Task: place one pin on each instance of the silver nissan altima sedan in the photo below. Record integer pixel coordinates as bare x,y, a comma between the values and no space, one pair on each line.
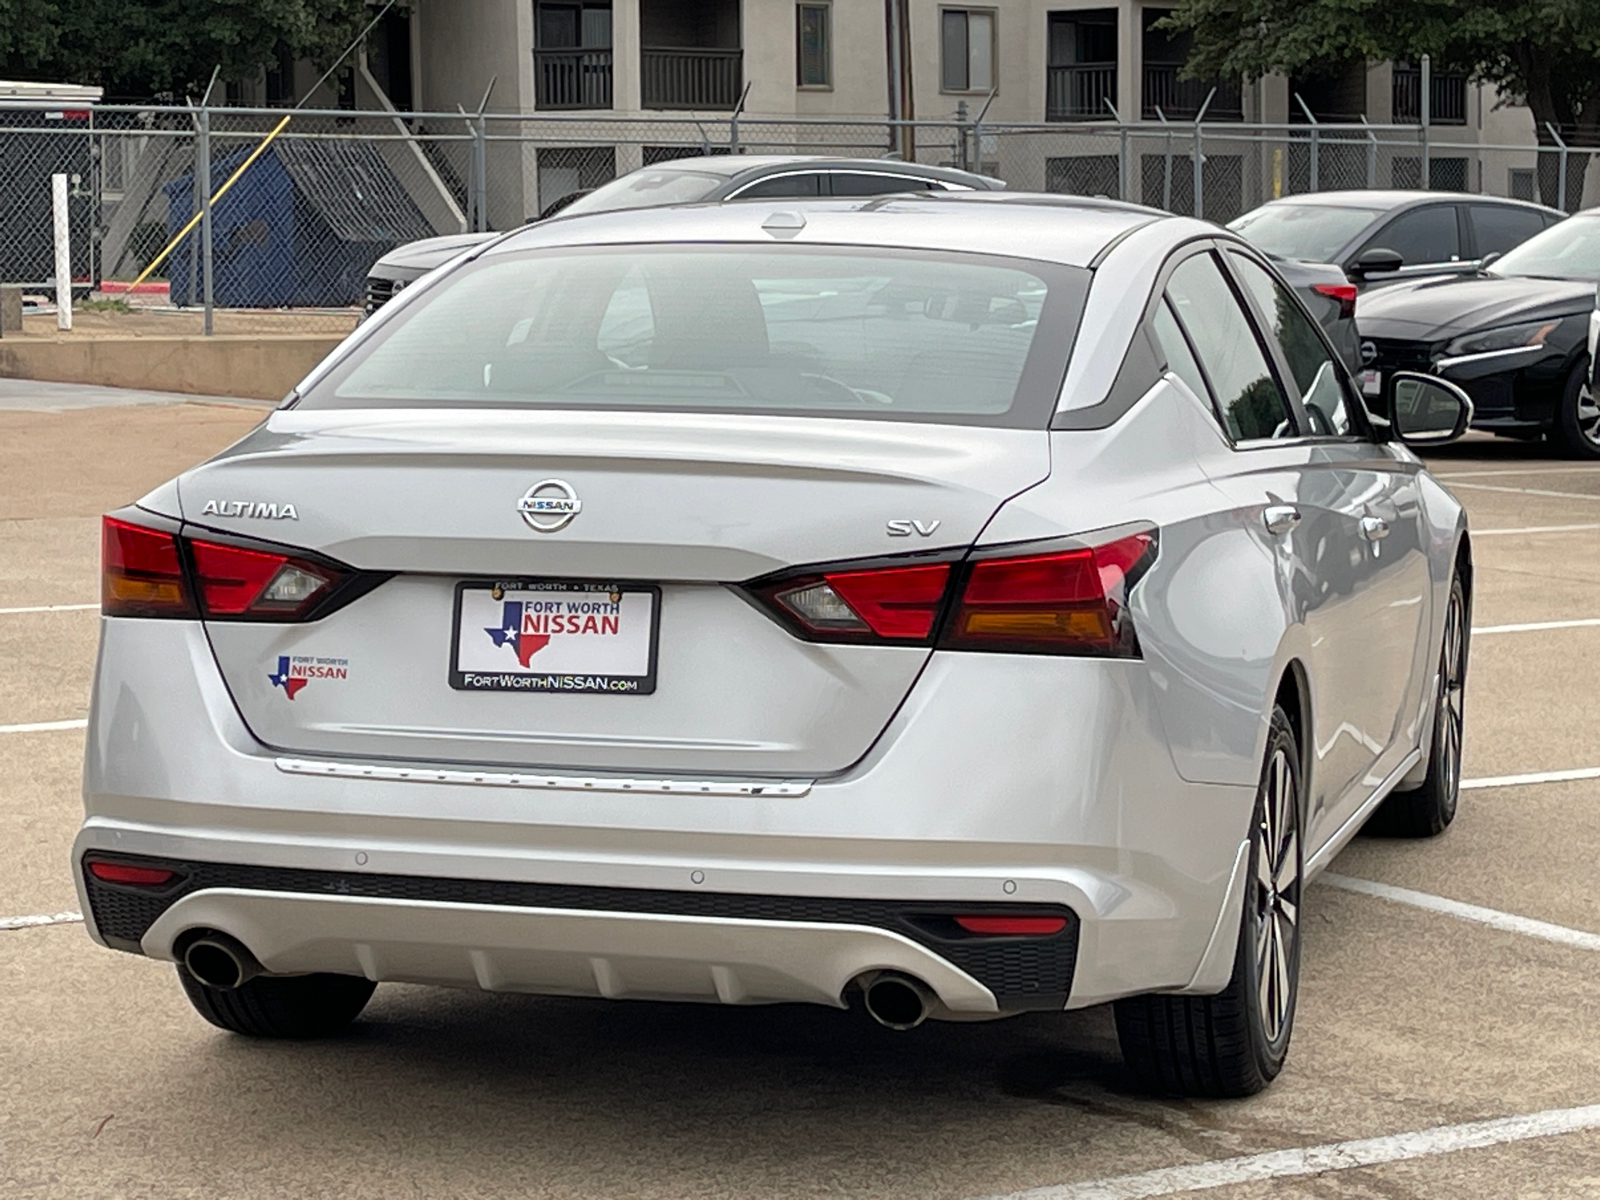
946,606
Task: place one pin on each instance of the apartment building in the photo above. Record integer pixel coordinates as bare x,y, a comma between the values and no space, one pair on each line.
1080,66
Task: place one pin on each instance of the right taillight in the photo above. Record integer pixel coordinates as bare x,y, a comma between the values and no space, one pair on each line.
1065,601
1032,598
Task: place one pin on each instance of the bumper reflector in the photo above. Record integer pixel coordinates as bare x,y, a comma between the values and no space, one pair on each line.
1035,926
113,872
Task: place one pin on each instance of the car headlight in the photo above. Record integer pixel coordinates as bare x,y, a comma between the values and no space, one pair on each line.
1506,337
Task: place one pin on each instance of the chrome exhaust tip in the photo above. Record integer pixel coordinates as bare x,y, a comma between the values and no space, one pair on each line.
896,1001
219,961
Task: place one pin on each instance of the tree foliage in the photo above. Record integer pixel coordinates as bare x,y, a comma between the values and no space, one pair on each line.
1544,53
145,48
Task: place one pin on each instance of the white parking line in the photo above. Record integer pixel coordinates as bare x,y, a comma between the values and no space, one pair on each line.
1494,918
1494,781
1314,1160
1536,626
46,726
1569,469
39,608
1490,487
36,919
1478,533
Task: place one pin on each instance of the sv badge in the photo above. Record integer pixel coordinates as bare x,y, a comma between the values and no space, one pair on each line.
904,528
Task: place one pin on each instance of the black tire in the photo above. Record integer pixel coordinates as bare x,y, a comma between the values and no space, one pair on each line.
1234,1043
1577,425
1426,810
282,1006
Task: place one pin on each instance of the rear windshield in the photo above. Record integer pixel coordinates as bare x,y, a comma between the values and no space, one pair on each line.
647,189
1569,249
783,329
1309,232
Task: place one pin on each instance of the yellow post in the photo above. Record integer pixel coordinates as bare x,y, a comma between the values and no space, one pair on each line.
1277,172
220,192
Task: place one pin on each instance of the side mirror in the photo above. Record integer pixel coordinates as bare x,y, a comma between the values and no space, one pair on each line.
1427,410
1376,261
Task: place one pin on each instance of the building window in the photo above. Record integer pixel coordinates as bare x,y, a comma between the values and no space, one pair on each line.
814,39
967,46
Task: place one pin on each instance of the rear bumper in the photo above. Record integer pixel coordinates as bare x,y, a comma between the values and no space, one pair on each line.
1033,782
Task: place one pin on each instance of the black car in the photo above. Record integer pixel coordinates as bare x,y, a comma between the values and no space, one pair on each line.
694,181
1383,237
1514,335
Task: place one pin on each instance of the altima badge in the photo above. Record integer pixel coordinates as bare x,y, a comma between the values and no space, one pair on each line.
549,505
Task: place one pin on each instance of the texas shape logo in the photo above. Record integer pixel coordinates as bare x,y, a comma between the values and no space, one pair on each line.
295,671
510,633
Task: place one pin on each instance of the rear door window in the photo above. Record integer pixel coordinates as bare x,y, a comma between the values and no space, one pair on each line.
783,186
1498,227
1423,235
862,183
1249,400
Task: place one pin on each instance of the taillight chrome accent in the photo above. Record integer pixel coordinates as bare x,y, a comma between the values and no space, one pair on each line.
158,570
1061,597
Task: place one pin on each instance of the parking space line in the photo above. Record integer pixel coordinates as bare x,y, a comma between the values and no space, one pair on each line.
1491,487
1536,626
1314,1160
1494,781
34,920
39,608
1494,918
1478,533
1570,469
46,726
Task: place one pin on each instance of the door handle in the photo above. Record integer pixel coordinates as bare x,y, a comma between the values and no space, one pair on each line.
1374,529
1280,518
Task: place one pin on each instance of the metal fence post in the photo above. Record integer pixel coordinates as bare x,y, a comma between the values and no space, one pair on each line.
962,151
1427,118
1200,158
1316,135
480,174
1372,155
1166,171
202,175
1122,150
1561,167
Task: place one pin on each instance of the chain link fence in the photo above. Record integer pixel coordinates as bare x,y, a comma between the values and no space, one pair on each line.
260,221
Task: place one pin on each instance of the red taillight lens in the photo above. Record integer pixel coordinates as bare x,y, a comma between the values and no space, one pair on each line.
141,572
893,603
1344,293
113,872
1063,602
1016,926
234,581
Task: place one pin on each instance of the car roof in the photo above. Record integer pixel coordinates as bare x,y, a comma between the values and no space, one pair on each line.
733,165
1387,199
1071,230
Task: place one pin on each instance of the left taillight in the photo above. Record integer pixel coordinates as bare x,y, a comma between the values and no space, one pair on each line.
141,572
1344,293
148,571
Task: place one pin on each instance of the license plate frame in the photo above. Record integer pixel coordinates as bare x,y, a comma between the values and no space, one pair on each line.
509,675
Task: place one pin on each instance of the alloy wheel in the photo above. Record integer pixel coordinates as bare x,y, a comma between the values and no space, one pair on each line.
1452,700
1277,897
1588,416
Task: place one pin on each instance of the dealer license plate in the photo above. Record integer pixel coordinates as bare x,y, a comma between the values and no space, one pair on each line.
1372,383
540,636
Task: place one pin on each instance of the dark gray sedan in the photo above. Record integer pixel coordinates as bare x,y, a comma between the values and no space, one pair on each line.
695,181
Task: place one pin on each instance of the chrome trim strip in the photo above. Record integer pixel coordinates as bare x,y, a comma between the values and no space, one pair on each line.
538,782
1444,364
1329,850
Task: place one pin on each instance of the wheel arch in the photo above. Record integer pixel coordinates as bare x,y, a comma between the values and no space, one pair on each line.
1293,695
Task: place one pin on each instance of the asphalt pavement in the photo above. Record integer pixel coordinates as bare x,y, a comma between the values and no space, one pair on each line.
1447,1042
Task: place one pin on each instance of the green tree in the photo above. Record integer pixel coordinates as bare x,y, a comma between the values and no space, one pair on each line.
1542,53
147,48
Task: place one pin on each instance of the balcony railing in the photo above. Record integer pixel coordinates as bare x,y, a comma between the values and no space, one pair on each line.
1448,100
1180,99
690,78
572,78
1080,92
